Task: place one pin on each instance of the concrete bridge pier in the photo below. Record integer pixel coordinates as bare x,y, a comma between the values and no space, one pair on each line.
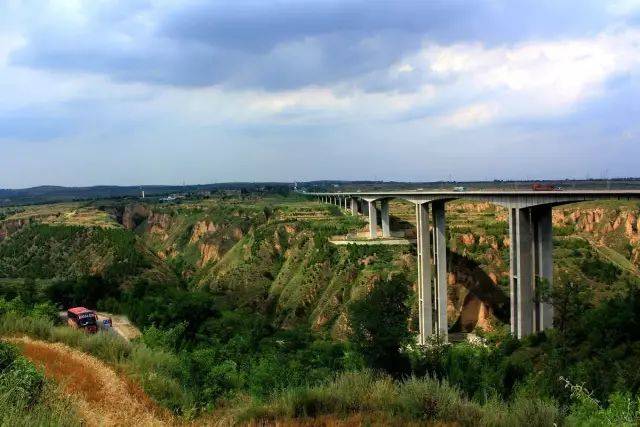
531,253
373,219
354,206
384,216
440,263
432,276
425,300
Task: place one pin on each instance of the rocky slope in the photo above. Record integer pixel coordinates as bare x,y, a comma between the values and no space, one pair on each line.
278,259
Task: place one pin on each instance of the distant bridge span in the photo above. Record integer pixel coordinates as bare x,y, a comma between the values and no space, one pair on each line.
531,245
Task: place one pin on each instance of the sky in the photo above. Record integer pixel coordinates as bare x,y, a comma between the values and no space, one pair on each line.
165,92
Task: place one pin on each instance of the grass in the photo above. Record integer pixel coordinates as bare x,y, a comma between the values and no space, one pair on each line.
26,398
51,409
66,214
616,258
157,371
412,400
102,395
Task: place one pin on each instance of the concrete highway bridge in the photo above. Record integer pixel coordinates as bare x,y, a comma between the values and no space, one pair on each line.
531,245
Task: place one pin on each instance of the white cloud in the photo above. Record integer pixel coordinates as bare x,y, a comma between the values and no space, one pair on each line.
472,115
623,7
529,80
457,86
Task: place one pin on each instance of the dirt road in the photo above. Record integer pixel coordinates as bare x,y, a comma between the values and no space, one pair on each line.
121,325
102,396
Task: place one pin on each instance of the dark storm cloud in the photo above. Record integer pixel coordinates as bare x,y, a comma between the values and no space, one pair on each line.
285,44
258,26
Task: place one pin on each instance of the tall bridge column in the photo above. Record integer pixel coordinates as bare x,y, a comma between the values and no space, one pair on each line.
531,252
440,262
373,220
354,206
543,252
425,302
384,216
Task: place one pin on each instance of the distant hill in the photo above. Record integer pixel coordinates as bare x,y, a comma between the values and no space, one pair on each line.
50,193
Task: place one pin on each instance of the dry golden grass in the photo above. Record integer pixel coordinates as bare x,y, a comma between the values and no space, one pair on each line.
67,214
101,395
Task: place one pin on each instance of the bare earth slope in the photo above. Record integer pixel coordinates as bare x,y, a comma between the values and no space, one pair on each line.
102,396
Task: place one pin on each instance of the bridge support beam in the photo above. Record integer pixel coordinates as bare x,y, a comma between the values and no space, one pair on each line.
543,228
531,247
384,216
440,263
432,318
373,220
354,206
425,301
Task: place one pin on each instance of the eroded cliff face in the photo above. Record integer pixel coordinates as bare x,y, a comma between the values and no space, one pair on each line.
8,227
133,215
197,238
600,221
618,229
200,229
159,224
472,237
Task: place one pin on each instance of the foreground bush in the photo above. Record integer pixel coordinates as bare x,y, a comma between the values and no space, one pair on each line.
414,399
25,397
157,371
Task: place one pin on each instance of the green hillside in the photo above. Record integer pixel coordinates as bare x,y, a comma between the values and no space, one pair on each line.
248,308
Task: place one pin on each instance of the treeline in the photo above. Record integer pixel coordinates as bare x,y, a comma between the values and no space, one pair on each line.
48,251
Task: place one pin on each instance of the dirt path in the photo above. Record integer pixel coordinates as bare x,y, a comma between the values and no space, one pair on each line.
121,325
102,396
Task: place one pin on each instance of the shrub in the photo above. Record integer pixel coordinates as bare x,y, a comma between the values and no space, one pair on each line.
379,325
415,399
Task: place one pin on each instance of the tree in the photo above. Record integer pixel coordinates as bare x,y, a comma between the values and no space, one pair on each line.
379,324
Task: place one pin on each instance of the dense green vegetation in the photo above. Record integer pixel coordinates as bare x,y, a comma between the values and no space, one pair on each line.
26,398
284,324
44,251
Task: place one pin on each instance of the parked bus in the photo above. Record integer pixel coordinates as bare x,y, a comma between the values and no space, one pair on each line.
83,318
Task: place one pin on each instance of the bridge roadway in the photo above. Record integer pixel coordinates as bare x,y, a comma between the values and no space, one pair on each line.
531,245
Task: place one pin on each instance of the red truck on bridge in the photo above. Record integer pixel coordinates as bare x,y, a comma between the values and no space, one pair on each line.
543,187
